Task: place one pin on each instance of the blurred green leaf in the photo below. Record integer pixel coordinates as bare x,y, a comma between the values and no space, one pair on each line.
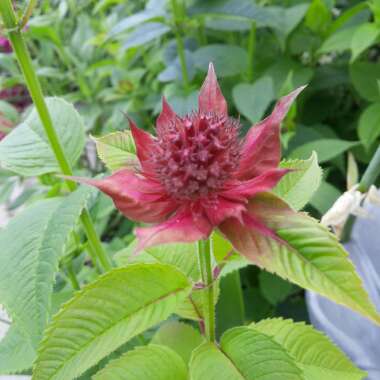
325,197
369,125
326,149
180,337
274,288
365,36
145,33
252,100
227,59
365,77
340,41
318,17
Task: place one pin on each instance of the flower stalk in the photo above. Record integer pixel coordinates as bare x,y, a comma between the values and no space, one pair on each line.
15,35
205,257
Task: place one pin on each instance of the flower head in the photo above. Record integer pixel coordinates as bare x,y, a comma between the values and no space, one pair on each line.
197,174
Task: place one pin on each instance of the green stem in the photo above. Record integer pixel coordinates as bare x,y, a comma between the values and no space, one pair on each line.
34,87
205,266
28,12
371,174
72,276
251,50
369,178
177,16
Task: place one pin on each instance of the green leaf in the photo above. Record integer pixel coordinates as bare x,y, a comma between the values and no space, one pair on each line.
32,244
318,17
326,149
183,256
244,354
117,150
134,20
151,362
252,100
311,256
9,111
365,77
369,125
26,149
313,351
105,314
339,41
298,186
145,33
274,288
363,38
180,337
325,197
16,352
227,59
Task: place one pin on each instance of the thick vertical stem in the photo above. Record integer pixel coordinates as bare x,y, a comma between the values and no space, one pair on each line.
177,16
34,87
251,50
205,266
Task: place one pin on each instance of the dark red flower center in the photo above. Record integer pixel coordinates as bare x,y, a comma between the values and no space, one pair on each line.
195,155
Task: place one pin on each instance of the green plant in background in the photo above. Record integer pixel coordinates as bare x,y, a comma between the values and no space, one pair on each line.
153,315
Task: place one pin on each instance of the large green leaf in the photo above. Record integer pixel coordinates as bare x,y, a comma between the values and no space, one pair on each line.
26,149
369,125
298,186
117,150
309,255
151,362
326,149
180,337
227,59
244,354
32,245
252,100
16,352
105,314
313,351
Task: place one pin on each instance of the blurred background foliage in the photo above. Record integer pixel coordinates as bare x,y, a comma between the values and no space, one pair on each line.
111,57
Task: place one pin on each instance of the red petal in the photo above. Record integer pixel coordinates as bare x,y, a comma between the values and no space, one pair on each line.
262,148
264,182
167,115
144,142
183,227
138,198
210,97
217,210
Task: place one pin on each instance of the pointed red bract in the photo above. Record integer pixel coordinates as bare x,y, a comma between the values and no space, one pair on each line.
264,182
184,227
144,145
262,147
138,198
167,115
211,99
